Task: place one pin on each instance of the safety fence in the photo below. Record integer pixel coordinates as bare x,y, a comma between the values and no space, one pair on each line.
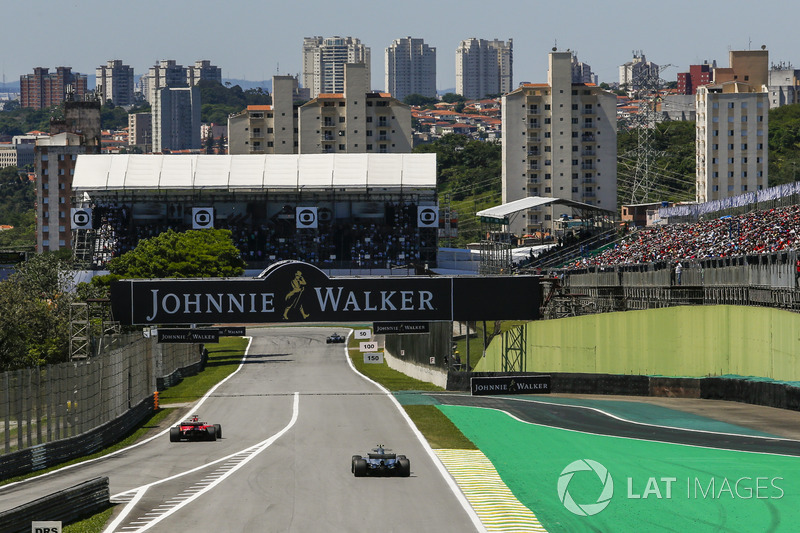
56,402
769,280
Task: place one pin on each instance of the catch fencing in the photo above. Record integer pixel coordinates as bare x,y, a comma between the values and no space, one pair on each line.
46,404
769,280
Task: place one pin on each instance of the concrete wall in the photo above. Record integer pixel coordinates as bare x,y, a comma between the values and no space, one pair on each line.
676,341
431,374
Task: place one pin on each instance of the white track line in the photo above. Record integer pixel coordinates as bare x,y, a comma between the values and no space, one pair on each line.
252,452
462,499
145,441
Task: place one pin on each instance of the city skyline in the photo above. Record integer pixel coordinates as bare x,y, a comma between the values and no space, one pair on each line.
268,45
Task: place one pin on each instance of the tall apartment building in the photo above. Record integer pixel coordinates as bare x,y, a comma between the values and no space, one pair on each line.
581,72
140,131
559,141
114,83
484,67
167,73
267,129
784,85
356,120
410,68
44,89
176,119
732,128
54,164
324,60
636,72
203,70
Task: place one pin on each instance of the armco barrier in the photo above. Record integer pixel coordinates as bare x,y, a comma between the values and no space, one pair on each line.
67,506
56,452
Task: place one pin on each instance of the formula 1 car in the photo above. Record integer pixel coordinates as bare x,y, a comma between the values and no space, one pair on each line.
193,429
335,338
380,462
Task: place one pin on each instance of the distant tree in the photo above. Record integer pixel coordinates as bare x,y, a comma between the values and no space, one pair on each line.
452,98
257,96
419,100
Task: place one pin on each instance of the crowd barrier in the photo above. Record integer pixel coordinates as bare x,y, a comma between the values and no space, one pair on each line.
66,506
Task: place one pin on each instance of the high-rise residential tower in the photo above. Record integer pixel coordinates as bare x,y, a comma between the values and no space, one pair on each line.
203,70
324,60
45,89
176,119
559,141
484,67
115,83
732,137
410,68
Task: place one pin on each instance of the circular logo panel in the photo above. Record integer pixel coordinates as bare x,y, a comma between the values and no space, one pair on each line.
585,509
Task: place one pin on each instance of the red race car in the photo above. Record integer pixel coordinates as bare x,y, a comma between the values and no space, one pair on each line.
193,429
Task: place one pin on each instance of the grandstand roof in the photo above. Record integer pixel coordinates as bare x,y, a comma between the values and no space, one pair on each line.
307,171
504,210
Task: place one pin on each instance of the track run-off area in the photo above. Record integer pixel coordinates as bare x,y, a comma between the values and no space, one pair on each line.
296,410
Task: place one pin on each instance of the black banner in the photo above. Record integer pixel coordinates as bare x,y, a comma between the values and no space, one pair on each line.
401,327
188,336
510,385
232,331
293,291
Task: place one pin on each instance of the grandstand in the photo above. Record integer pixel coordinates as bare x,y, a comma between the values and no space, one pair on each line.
336,211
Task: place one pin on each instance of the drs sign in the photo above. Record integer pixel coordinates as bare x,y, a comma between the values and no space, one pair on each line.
46,527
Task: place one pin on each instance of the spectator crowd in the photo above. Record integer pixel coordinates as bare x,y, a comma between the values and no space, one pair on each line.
758,232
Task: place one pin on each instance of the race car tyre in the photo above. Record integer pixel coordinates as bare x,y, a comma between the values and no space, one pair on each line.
353,463
404,469
212,433
401,456
174,434
218,429
360,467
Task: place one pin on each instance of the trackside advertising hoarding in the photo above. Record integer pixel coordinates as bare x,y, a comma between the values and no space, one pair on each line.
298,292
482,386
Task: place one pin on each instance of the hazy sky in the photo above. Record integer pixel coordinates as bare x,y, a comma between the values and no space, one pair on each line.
256,39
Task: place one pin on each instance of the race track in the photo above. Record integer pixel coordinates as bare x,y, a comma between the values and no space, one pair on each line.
292,417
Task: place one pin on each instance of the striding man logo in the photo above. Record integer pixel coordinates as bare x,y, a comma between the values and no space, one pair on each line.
294,298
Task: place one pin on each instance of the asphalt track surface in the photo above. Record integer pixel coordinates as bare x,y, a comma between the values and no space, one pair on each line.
599,422
292,416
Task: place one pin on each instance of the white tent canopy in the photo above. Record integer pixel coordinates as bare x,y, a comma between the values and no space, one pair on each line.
227,172
502,211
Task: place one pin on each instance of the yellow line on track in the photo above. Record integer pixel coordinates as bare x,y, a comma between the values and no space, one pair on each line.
493,501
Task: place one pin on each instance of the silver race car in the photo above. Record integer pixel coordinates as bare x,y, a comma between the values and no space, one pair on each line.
379,462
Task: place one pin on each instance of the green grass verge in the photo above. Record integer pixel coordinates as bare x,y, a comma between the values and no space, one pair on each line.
388,377
93,524
223,360
438,430
432,423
